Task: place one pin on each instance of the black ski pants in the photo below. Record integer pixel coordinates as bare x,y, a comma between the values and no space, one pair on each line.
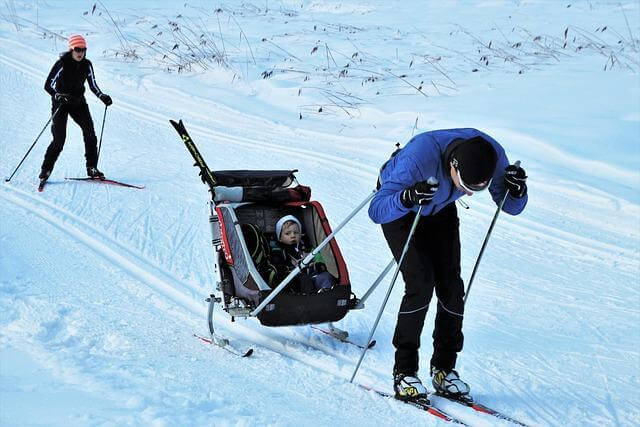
80,114
432,261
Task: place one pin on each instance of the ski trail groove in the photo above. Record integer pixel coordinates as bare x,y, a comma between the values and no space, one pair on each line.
97,240
163,283
155,277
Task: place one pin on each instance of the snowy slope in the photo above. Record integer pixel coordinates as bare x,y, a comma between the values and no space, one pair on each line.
101,287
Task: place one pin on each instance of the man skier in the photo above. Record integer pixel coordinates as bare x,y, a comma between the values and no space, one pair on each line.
462,161
65,84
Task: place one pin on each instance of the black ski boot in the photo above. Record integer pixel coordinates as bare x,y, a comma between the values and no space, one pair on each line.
94,173
44,174
408,387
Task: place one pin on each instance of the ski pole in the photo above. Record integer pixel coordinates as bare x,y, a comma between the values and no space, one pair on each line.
33,145
386,298
104,117
484,244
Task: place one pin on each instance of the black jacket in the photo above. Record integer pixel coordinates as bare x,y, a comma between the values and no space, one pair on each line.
68,76
285,255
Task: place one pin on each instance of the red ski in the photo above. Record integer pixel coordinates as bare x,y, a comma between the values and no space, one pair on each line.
422,404
470,403
106,181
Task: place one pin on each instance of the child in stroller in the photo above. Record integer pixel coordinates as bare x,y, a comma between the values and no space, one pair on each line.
287,253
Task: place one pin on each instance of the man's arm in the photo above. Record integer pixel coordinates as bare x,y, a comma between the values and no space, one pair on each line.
400,173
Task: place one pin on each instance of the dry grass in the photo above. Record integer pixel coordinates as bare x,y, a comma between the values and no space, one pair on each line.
335,61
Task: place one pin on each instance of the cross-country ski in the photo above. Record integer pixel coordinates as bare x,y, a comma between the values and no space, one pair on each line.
106,181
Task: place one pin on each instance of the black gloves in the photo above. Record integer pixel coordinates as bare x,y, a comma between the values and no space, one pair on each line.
106,99
515,178
420,194
62,98
66,99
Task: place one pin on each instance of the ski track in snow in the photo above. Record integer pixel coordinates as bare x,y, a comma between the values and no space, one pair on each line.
59,340
172,290
163,283
161,253
163,295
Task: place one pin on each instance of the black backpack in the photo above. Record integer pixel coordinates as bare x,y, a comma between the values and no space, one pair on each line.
259,251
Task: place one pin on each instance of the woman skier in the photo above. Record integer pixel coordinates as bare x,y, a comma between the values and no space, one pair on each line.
65,84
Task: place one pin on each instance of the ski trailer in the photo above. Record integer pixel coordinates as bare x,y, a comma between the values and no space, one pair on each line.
244,208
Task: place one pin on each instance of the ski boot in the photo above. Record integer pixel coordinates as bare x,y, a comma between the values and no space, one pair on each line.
448,383
44,176
408,387
94,173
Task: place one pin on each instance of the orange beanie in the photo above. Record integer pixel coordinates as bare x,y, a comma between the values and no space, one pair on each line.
77,41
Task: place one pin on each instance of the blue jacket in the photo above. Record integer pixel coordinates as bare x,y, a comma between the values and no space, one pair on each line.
423,157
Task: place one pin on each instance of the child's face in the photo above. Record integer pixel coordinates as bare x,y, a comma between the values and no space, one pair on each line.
290,234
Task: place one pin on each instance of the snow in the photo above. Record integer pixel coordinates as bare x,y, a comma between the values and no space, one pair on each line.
101,287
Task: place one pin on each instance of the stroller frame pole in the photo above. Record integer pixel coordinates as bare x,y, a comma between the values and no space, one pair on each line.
309,257
375,284
215,242
386,298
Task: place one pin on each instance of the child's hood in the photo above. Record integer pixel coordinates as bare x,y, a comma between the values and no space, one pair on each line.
281,222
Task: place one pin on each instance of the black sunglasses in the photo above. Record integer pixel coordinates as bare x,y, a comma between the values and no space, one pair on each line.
80,49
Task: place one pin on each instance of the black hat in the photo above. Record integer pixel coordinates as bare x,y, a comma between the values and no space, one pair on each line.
476,159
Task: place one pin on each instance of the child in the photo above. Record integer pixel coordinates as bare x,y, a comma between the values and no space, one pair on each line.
289,235
290,250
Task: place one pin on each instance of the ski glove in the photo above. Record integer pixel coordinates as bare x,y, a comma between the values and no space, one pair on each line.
106,99
62,98
420,194
515,178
